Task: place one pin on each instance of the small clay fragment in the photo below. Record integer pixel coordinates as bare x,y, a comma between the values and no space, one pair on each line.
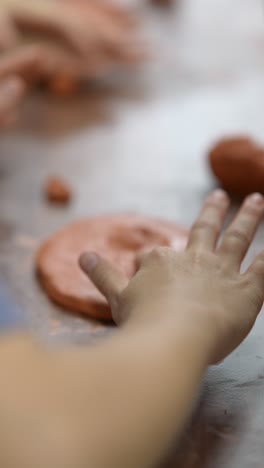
58,191
238,163
117,238
63,86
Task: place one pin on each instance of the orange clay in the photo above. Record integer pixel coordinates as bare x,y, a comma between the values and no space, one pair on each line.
238,163
120,239
63,86
58,191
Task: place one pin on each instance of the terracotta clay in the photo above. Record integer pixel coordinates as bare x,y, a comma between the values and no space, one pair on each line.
117,238
238,163
58,191
63,86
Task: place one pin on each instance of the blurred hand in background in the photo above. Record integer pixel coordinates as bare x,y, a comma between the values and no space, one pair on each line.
77,39
15,68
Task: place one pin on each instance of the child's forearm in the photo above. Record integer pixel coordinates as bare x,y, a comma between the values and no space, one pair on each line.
116,405
138,393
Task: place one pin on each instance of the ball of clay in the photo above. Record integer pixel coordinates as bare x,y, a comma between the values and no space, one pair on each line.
117,238
238,163
58,191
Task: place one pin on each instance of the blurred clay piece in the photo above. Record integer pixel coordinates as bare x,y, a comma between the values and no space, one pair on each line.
238,164
63,86
121,239
58,191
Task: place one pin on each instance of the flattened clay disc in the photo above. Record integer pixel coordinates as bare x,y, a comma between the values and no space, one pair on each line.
117,238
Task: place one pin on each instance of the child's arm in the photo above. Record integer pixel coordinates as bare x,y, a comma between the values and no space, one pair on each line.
121,403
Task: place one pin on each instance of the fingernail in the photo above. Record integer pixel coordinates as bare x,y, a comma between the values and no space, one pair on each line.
256,199
88,261
219,195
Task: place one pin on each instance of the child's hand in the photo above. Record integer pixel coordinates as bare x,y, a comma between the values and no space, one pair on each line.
14,68
80,39
202,287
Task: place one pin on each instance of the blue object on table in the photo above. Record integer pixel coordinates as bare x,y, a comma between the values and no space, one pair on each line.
11,315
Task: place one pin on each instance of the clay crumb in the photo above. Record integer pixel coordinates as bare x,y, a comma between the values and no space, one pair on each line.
58,191
63,86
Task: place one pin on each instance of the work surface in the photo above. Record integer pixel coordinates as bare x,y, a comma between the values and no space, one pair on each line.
140,145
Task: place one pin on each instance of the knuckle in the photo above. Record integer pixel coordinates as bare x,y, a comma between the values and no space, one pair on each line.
201,225
159,253
259,263
199,257
261,257
237,236
214,205
159,256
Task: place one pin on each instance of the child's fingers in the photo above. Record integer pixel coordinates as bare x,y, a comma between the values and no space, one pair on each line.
142,255
255,273
239,235
205,231
20,61
8,33
108,279
112,12
11,91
